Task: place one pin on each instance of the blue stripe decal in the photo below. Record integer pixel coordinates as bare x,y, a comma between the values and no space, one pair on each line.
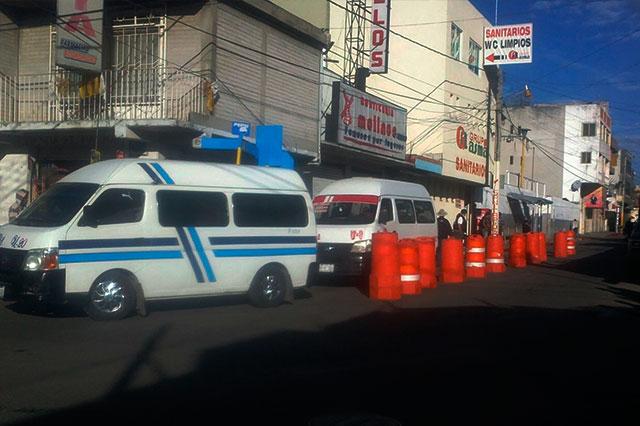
262,240
201,253
151,173
265,252
123,255
163,173
190,256
116,242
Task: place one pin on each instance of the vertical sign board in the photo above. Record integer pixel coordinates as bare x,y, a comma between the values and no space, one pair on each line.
79,35
380,17
508,44
367,122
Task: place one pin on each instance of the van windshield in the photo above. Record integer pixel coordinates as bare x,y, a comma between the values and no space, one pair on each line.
345,213
56,206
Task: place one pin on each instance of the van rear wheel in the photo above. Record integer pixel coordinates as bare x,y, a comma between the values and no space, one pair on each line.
269,287
111,297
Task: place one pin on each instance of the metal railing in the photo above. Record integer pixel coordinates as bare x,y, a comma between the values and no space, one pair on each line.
136,94
539,188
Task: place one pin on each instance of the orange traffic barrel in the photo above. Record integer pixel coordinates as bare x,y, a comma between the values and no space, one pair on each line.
384,281
571,243
452,261
533,248
476,265
518,251
560,244
542,246
427,258
495,254
409,267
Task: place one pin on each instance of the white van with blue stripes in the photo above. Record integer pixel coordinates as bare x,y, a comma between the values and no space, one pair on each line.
117,233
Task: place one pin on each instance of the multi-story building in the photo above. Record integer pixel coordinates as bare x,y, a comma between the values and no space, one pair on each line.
435,73
169,71
568,148
621,188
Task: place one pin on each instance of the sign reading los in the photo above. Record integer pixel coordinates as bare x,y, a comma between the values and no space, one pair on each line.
508,44
367,122
79,35
380,15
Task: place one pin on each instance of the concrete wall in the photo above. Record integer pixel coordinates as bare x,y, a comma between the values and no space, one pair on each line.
14,176
34,50
313,11
544,162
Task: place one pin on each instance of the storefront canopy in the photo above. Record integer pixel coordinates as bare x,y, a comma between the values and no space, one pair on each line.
530,199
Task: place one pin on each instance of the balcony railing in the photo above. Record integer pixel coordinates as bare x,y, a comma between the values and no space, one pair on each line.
136,94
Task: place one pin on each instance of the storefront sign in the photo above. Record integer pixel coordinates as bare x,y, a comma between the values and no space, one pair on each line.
79,35
595,199
380,14
466,157
508,44
367,122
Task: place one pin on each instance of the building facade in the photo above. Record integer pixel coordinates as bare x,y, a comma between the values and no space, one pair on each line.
171,71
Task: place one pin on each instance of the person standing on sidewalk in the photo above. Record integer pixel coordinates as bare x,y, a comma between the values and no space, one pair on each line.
460,224
444,229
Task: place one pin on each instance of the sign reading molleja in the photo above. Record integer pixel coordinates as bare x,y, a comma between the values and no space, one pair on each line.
508,44
79,35
367,122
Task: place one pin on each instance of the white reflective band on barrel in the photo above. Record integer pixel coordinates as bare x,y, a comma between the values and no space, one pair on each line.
475,264
495,260
571,247
476,250
410,277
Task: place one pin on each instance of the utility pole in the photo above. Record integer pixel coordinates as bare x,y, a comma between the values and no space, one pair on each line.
495,212
522,159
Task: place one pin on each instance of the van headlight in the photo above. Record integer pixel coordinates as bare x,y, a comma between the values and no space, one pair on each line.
41,260
363,246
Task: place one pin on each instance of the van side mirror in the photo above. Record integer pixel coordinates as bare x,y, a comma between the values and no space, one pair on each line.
88,217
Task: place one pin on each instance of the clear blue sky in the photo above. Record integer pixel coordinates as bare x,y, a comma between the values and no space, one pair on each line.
584,50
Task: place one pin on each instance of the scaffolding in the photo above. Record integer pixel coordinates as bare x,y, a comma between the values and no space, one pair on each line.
354,50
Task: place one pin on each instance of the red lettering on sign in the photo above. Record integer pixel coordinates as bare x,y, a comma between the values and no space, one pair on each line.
81,22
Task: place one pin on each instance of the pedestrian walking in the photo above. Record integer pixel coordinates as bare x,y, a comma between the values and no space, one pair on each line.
19,204
574,226
460,224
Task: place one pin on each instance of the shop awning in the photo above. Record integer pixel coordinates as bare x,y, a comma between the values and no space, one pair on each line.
529,198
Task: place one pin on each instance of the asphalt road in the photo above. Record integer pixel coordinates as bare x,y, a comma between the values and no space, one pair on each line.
552,344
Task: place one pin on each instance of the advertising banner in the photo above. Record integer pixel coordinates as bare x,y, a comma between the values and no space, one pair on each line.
508,44
380,17
79,35
595,199
466,158
367,122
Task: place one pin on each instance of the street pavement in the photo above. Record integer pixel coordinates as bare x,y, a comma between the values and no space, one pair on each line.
551,344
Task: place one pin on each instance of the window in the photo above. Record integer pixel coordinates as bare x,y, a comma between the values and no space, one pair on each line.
474,57
117,205
511,160
345,213
456,37
270,210
424,212
405,211
57,205
386,211
588,129
585,157
192,208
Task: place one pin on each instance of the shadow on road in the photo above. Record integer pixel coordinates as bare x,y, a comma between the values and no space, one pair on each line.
417,366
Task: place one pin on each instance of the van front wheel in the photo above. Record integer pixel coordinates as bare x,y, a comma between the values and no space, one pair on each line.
269,287
111,297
